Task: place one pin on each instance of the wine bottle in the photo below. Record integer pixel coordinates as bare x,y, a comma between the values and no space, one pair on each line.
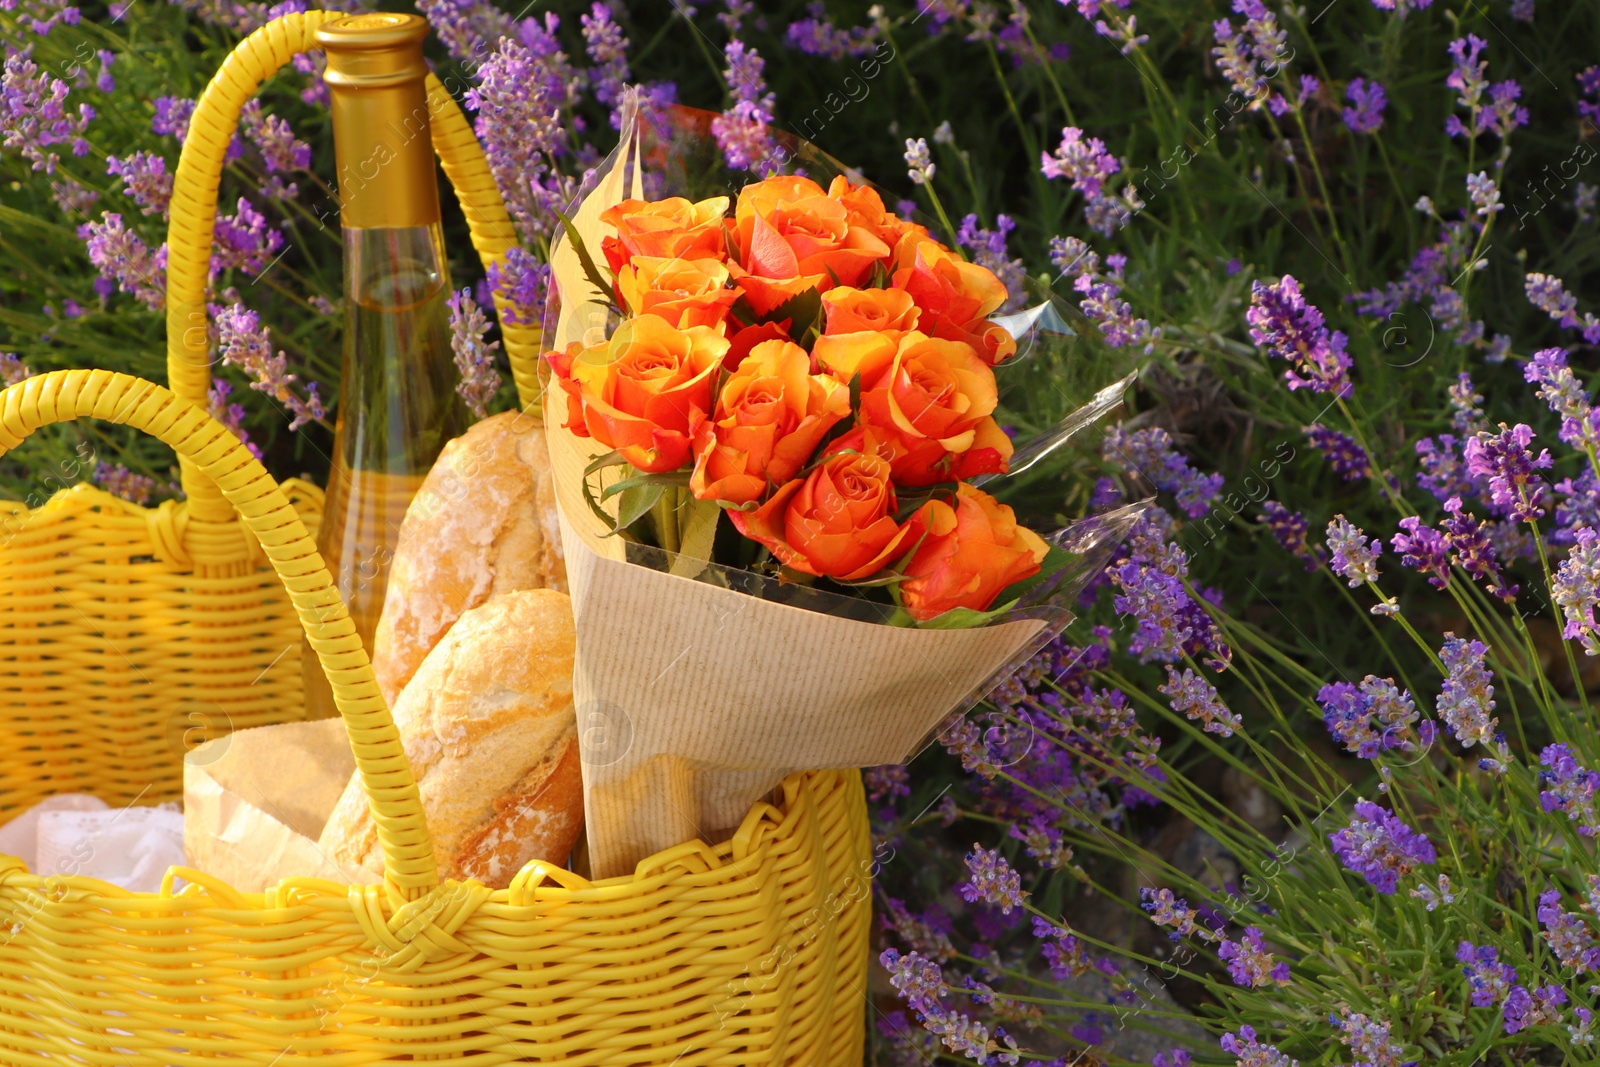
397,400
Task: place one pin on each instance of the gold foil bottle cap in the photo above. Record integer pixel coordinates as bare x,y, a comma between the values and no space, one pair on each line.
382,139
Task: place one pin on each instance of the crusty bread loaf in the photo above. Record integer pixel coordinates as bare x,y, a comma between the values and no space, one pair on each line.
483,523
489,728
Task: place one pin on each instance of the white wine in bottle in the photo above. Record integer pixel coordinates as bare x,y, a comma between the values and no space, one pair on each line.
397,399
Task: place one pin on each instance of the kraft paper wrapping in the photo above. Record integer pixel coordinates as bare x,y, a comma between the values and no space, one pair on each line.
695,700
255,802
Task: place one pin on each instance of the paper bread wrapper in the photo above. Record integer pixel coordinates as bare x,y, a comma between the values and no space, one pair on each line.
693,700
255,802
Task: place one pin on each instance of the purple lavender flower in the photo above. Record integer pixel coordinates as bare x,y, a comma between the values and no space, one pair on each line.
816,36
1577,507
1466,410
1467,698
247,344
1253,1053
1489,108
34,116
1489,979
1291,530
1250,964
1102,301
1474,552
1380,848
1549,294
1353,557
992,880
280,150
1175,1058
989,250
1234,59
608,49
1196,699
1431,898
1064,953
519,123
244,241
1082,161
1373,717
230,415
1290,329
886,782
920,982
1558,386
519,281
1172,911
742,129
120,481
1576,590
144,179
1505,460
1368,1040
1149,453
1423,549
1569,787
1347,458
1367,100
1567,934
1523,1009
1581,1035
479,380
120,256
172,117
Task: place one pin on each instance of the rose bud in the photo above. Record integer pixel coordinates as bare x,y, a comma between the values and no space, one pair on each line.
642,391
771,416
837,522
971,552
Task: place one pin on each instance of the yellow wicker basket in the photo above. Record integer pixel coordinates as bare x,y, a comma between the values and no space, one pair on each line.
129,633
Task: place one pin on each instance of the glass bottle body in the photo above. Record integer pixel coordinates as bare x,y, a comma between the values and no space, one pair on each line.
397,408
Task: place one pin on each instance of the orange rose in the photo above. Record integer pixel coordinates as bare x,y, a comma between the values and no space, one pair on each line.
919,461
956,298
684,291
642,391
771,416
664,228
864,207
971,552
844,355
838,522
851,310
792,237
931,411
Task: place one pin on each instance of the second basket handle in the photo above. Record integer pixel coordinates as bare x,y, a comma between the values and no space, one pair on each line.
410,869
194,212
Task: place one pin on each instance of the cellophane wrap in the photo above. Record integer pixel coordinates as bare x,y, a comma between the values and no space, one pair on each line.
699,687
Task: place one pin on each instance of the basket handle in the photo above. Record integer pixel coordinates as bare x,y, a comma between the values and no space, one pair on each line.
243,483
194,211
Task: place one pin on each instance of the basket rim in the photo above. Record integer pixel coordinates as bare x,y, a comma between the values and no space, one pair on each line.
539,883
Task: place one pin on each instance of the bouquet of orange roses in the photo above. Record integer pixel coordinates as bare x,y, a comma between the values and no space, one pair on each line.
768,417
821,371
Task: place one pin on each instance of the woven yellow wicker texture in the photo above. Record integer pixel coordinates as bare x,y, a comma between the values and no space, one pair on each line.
129,632
748,953
125,632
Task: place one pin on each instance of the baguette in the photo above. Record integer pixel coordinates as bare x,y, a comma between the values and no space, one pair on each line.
488,725
483,523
